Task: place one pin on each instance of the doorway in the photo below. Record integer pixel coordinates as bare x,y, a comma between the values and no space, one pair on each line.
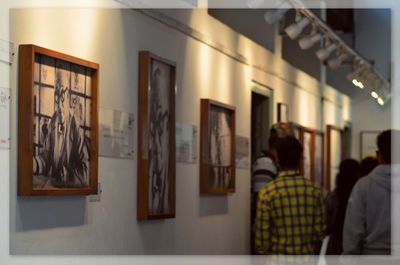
261,121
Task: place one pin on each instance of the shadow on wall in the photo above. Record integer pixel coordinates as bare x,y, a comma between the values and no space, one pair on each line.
35,213
158,236
213,205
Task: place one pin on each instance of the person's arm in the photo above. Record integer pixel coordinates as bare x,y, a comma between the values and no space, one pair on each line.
263,237
354,224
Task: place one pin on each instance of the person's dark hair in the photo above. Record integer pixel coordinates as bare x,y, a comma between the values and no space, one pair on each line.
383,141
272,141
289,152
273,138
367,165
349,172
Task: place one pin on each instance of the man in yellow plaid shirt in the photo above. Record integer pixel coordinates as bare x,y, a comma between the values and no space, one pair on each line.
290,209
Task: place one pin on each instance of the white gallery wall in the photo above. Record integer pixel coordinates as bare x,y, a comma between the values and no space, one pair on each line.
225,72
4,153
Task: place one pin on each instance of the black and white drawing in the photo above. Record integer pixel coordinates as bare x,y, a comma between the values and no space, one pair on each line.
62,98
220,175
319,162
307,155
159,127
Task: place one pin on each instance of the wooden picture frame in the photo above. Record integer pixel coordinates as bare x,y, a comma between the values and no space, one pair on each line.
332,166
283,112
368,145
297,131
57,100
156,138
312,164
217,147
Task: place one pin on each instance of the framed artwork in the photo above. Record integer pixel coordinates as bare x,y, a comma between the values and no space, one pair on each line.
57,123
308,154
283,112
156,138
335,154
313,155
217,147
319,159
368,143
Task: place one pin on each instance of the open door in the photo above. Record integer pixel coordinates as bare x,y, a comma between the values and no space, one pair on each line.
261,121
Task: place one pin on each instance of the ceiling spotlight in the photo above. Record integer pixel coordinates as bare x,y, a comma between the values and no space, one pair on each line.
294,30
273,16
380,101
356,73
307,42
374,94
324,53
358,83
334,63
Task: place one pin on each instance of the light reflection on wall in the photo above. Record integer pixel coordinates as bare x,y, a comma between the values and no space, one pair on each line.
43,28
223,73
205,70
303,108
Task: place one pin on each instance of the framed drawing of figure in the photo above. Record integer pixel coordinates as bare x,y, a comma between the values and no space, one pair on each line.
308,160
319,159
217,147
156,138
313,155
335,154
58,123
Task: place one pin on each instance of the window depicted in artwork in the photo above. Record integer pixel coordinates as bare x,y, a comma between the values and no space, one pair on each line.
217,169
63,90
156,168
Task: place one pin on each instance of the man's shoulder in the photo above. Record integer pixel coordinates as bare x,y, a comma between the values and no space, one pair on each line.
268,189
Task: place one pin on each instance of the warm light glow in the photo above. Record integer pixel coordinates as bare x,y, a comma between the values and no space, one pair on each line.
374,94
380,101
205,67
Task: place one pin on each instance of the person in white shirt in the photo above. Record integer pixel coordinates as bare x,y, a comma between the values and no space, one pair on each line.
367,226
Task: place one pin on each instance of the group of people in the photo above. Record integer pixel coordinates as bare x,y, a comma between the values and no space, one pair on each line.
292,216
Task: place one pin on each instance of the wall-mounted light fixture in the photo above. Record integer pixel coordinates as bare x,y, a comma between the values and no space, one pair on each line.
364,75
294,30
325,52
309,41
336,62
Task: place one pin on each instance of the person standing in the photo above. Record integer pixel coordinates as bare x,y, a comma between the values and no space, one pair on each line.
367,226
336,203
367,165
290,209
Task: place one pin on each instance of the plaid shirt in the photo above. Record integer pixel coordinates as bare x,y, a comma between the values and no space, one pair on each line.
290,216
